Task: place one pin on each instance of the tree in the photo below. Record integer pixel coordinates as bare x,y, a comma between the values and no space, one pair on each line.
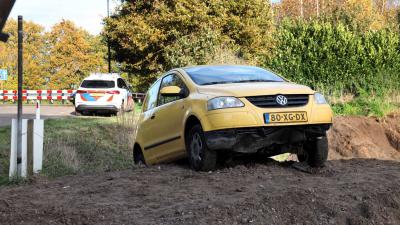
145,35
34,66
64,55
72,54
362,15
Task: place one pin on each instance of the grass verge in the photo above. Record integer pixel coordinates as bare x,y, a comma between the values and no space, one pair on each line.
367,105
80,145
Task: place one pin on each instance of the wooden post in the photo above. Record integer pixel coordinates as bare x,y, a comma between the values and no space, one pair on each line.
20,81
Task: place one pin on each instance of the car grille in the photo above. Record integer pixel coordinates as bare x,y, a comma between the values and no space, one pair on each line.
269,101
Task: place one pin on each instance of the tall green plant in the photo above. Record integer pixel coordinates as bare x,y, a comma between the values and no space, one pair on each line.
335,59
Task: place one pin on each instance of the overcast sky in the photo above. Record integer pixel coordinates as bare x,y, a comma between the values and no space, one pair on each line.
87,14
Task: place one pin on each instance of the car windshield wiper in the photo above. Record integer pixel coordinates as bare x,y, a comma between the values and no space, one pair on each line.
258,80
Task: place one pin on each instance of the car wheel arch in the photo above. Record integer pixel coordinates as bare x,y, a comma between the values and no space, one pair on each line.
191,121
137,149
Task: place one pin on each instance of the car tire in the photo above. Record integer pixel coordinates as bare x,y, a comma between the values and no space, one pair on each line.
78,113
302,157
200,157
138,158
317,152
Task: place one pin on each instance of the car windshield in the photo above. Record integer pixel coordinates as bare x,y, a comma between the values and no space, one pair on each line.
98,84
208,75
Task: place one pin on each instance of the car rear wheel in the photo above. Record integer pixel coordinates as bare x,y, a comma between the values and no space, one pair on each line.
315,152
200,157
78,113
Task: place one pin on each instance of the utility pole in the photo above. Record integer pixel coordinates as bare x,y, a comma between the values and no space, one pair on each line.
317,1
108,39
20,82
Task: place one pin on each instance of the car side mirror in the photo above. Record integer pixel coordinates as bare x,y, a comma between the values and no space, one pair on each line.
171,91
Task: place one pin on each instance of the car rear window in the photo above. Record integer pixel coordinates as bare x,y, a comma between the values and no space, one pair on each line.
98,84
208,75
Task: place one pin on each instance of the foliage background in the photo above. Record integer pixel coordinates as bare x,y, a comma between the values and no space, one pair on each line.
58,59
341,47
338,47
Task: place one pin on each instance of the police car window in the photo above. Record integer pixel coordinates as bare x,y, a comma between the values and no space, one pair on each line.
121,83
98,84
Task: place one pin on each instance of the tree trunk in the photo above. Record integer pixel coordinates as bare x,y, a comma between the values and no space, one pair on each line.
301,9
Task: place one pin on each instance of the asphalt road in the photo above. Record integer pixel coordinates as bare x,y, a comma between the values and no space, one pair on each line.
7,112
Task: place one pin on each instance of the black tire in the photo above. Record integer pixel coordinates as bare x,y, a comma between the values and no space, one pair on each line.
302,157
317,152
200,157
138,157
78,113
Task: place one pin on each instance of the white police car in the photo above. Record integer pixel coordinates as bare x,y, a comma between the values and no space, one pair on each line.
103,93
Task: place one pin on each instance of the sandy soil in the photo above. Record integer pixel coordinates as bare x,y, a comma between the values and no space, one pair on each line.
347,191
365,137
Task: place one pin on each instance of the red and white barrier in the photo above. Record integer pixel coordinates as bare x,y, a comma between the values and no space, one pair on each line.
49,95
37,94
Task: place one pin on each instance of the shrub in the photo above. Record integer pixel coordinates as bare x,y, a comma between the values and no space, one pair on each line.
335,59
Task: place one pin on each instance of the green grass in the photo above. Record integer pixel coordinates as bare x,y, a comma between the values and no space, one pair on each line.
79,146
378,106
138,108
5,142
281,157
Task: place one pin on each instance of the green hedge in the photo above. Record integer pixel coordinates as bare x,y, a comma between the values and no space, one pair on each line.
336,60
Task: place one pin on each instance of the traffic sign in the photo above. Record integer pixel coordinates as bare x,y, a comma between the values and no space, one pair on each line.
3,74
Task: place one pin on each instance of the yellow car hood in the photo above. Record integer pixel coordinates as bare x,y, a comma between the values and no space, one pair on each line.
254,89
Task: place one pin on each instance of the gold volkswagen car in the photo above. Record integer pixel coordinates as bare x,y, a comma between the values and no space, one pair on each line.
204,111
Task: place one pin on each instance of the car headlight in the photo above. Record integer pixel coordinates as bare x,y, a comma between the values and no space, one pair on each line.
224,102
320,99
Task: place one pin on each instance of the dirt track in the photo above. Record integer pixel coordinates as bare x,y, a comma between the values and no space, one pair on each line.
350,192
345,192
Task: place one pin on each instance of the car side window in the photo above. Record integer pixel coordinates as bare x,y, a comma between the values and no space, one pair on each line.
151,97
171,80
125,84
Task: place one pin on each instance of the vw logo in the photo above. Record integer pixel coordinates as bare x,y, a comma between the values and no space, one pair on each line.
281,100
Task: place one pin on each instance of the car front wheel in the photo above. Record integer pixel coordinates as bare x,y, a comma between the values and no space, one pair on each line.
200,157
315,152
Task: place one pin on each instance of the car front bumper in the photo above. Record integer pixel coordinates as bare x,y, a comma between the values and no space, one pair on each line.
255,139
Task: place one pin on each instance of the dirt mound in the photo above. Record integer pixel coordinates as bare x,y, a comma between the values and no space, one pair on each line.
392,126
357,191
365,137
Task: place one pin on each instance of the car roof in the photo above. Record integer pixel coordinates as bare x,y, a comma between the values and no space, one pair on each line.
103,76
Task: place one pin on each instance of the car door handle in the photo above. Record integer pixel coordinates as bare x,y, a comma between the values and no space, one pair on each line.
153,116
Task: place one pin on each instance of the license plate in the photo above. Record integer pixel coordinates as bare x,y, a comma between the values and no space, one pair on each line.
97,94
287,117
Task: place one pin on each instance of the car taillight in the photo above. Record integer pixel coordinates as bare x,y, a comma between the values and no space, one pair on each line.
81,92
114,92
